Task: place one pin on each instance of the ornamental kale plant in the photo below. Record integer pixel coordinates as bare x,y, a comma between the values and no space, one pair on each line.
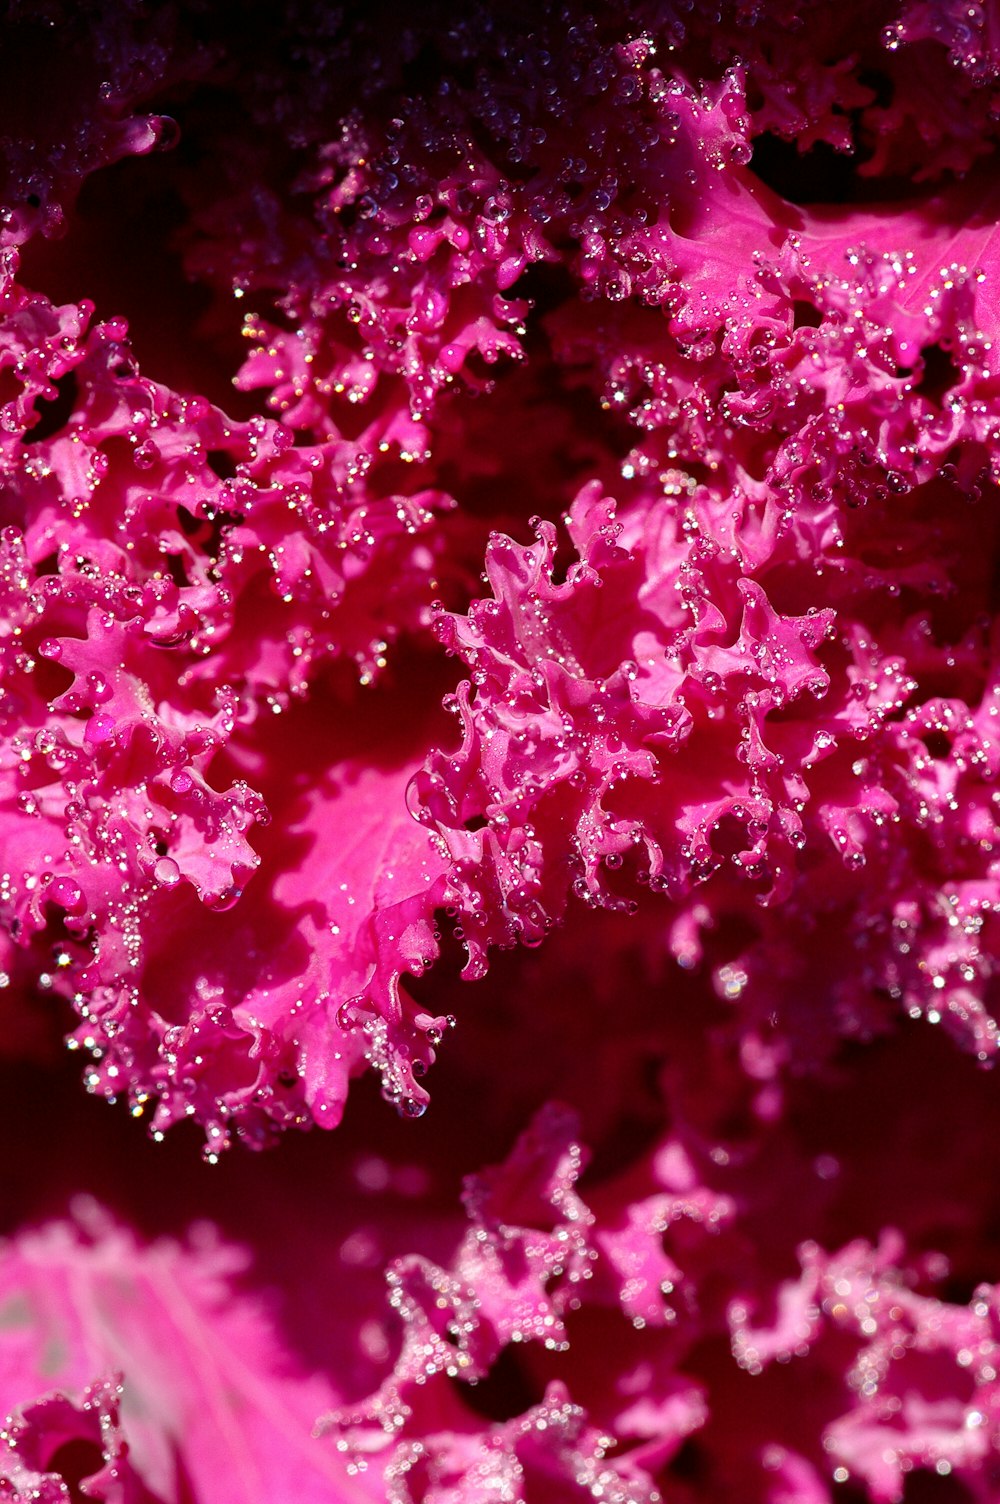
500,658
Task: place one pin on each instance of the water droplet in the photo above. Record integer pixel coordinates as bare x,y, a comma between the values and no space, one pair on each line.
67,894
220,902
100,729
167,872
